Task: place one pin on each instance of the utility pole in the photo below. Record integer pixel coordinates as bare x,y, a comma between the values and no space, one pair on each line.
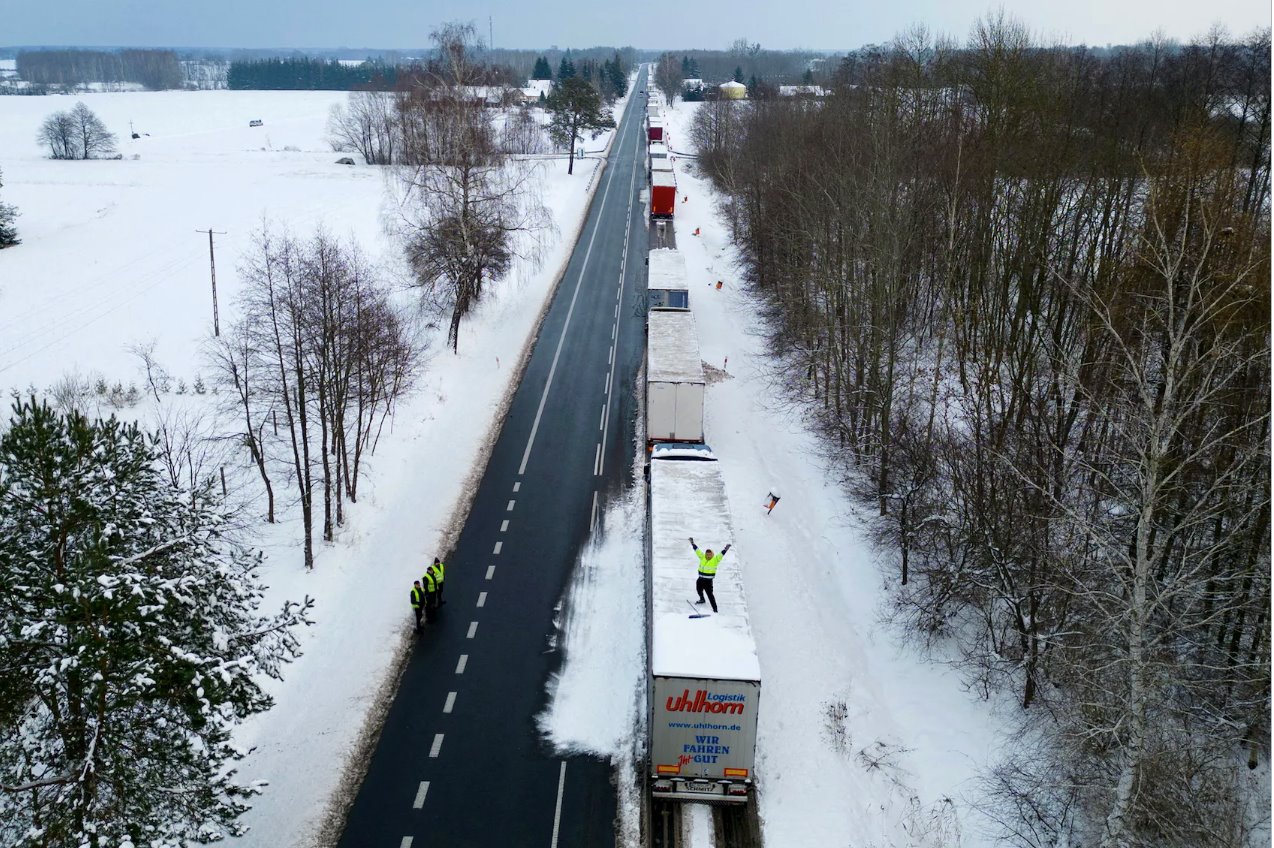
212,263
490,34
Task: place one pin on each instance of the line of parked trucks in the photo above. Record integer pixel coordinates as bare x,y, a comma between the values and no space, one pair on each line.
663,182
703,674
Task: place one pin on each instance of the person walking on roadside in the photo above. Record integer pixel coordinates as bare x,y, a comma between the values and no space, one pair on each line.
430,581
417,601
440,573
708,562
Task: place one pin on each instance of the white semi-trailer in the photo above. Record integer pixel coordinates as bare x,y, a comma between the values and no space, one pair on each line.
666,287
674,378
704,677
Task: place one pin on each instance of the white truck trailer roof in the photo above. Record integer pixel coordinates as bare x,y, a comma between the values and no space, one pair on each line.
658,150
667,269
672,349
663,178
687,498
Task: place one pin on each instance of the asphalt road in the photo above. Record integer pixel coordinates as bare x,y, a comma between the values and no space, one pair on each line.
459,761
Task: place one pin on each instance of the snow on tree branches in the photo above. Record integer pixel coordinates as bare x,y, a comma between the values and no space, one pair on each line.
130,642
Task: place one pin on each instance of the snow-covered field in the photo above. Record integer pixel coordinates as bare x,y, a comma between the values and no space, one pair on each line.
110,259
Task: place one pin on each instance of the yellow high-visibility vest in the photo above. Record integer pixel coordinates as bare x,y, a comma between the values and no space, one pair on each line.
708,567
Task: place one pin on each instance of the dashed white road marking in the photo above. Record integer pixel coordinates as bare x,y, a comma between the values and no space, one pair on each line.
593,521
601,421
464,661
490,571
420,796
611,359
498,545
504,525
473,628
451,702
517,486
597,459
436,747
557,812
406,843
482,599
509,508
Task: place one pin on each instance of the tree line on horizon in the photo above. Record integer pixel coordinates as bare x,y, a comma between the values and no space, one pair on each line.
1025,293
155,69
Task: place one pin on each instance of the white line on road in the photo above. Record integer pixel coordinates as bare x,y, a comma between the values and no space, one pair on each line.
406,843
517,486
436,747
593,521
557,813
473,628
597,460
509,508
464,661
451,702
610,359
498,545
601,420
482,599
535,425
504,525
420,796
490,571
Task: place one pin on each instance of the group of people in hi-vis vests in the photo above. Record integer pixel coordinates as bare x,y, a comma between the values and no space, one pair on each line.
426,593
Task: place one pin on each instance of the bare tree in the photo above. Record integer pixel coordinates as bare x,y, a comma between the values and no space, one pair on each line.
77,134
463,203
367,124
522,134
668,77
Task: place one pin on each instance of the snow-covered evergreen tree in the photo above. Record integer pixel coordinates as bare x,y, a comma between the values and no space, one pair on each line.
130,642
8,231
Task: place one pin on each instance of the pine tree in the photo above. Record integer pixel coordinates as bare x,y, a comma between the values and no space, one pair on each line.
8,230
738,73
542,70
685,67
566,69
130,643
576,108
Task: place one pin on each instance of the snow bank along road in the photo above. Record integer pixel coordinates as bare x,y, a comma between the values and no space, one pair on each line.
459,761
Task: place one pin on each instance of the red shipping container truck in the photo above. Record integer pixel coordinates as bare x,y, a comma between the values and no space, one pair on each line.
663,194
655,130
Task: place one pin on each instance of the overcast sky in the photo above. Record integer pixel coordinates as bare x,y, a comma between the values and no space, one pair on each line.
778,24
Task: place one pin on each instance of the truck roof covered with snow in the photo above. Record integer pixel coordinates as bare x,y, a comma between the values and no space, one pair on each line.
667,269
672,351
687,499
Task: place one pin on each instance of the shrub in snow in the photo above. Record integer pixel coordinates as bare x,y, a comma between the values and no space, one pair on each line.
130,641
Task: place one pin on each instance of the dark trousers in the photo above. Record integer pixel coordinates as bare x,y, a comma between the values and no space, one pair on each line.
704,584
431,606
418,611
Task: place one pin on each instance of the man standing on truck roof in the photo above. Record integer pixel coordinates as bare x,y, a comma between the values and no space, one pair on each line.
417,602
708,562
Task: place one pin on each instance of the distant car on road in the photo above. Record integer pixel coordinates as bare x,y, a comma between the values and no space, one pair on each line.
256,122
